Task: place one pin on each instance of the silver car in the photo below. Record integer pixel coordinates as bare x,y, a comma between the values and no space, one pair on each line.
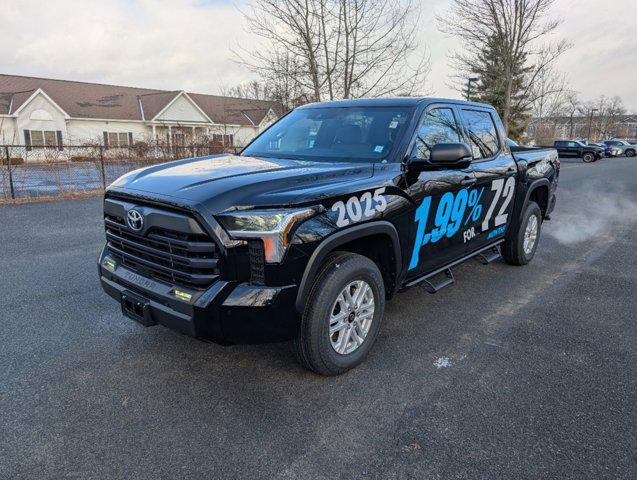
620,147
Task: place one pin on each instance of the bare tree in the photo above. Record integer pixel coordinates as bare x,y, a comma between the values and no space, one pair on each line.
605,116
253,89
572,106
514,29
548,97
331,49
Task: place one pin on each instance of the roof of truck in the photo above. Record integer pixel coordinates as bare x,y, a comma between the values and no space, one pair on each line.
391,102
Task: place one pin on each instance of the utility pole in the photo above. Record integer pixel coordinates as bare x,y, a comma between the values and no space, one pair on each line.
590,123
469,81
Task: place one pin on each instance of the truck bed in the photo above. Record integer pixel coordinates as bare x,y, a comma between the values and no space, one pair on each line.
534,154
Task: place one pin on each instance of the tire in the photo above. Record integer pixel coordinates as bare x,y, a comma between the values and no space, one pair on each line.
630,153
588,157
513,248
314,347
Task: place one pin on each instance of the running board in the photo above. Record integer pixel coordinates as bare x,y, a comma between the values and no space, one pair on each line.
489,256
426,277
432,287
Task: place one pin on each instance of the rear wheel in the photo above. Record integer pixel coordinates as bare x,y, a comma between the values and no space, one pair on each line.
342,316
630,153
519,248
588,157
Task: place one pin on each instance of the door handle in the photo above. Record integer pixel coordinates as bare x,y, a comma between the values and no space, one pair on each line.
468,181
510,172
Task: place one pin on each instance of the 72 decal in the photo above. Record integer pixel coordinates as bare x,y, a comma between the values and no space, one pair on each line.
500,191
356,209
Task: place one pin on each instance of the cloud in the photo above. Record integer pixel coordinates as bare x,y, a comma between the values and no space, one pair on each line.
162,44
180,44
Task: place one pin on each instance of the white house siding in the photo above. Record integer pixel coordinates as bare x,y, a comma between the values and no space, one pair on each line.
244,135
83,131
26,122
181,110
8,132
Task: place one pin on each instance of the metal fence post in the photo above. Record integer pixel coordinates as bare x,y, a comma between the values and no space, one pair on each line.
8,157
102,167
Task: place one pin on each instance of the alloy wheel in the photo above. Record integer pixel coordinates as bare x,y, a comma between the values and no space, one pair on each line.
351,317
530,234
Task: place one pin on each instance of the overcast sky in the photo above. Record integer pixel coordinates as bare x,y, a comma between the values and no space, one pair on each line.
186,44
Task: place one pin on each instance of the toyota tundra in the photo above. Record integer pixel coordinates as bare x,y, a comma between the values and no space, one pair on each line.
320,220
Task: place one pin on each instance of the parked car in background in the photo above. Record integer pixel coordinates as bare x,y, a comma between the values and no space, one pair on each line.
623,147
608,150
578,149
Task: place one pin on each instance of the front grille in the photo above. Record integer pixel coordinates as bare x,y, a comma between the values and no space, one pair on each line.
189,259
257,262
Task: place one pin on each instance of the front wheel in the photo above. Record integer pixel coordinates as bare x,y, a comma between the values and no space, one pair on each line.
342,316
588,157
519,248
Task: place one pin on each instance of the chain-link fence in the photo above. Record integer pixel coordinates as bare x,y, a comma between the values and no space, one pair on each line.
39,172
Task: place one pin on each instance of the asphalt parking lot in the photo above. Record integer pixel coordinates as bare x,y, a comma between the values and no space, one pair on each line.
513,372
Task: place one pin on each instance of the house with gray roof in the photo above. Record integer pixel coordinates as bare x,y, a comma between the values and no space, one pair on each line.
44,112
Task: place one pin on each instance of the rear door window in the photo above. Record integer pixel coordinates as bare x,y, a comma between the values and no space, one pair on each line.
438,126
483,134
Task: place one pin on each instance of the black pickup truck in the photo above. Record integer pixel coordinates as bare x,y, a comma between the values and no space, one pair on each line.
321,219
577,149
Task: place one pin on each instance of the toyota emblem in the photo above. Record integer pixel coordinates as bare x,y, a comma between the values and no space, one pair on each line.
135,220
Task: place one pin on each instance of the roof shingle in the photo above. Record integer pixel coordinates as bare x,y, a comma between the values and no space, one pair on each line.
95,100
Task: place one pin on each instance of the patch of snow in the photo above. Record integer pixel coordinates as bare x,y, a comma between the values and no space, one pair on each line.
443,362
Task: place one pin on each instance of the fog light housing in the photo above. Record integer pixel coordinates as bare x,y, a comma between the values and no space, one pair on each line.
181,295
109,264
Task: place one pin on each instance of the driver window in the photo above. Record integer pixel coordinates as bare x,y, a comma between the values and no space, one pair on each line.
438,126
483,133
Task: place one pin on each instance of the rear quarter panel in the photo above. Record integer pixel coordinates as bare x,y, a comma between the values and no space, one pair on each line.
537,167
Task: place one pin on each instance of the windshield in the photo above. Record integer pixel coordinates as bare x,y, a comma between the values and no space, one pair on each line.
365,134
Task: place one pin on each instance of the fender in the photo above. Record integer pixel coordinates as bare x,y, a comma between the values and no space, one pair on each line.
534,185
517,211
340,238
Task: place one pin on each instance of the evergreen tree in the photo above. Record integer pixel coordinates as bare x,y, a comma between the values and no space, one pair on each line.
491,86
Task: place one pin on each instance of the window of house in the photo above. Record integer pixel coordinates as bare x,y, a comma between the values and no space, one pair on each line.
438,126
43,138
118,139
225,140
483,134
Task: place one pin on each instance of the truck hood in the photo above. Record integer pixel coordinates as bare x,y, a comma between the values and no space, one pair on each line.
229,182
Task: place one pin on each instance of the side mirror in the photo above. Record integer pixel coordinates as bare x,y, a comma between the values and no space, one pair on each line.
444,155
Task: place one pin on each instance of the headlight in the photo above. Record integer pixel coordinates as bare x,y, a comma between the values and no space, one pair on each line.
270,226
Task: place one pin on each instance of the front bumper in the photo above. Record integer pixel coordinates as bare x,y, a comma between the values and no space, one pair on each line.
226,313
